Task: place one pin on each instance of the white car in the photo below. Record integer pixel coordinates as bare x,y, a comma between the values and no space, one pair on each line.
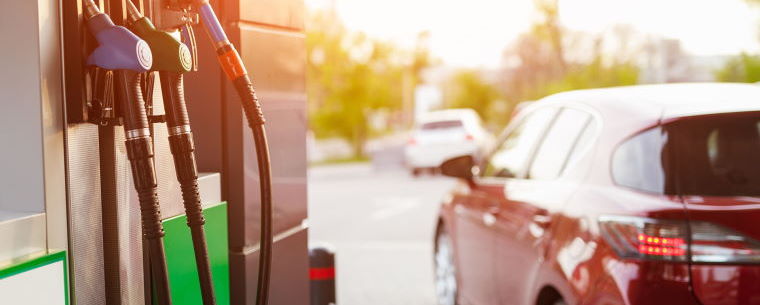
441,135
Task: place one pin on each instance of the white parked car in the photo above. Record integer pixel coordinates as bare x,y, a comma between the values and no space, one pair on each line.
441,135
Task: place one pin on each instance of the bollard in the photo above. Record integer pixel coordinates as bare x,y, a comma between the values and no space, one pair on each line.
322,275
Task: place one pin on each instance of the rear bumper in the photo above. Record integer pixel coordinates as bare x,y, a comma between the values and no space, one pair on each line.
420,156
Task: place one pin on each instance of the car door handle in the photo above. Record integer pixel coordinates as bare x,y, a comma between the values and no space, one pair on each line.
542,220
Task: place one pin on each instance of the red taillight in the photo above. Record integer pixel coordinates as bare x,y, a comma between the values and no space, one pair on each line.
655,245
674,240
645,238
411,141
469,137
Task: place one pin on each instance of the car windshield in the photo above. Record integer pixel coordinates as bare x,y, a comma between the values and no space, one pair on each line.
718,155
438,125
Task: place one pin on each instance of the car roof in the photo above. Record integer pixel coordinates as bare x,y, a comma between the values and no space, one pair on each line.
666,101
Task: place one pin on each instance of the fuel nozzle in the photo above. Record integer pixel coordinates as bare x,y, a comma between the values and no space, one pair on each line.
118,48
170,54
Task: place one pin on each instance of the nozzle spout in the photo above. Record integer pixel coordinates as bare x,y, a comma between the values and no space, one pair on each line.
132,12
91,9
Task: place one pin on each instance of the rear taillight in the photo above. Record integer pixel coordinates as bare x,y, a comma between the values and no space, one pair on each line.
645,238
673,240
469,137
411,141
712,243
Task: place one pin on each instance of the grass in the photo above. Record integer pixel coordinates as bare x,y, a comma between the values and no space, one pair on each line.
340,161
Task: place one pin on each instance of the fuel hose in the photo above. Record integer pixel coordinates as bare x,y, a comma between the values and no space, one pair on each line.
128,56
171,59
140,155
230,61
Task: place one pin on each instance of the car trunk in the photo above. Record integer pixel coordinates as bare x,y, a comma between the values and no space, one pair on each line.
717,174
727,283
441,133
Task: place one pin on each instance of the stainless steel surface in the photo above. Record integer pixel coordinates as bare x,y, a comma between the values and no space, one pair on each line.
137,133
210,185
86,250
21,234
32,116
22,186
179,130
53,124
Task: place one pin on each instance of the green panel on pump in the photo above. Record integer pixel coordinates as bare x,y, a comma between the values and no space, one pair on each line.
180,258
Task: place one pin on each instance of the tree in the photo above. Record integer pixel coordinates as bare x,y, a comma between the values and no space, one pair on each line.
550,59
743,68
350,76
468,90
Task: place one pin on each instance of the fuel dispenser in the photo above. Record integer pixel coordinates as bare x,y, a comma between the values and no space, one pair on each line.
158,219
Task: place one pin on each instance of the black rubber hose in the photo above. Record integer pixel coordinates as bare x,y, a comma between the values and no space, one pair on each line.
140,154
183,150
255,116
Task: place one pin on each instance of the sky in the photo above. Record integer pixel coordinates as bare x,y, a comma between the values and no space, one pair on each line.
474,33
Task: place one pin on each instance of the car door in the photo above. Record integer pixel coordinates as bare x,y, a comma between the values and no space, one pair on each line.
531,204
477,239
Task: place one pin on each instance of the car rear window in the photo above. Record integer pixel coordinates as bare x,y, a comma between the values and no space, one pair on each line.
713,155
441,125
719,155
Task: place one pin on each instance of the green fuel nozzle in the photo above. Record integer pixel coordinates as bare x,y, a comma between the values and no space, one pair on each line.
169,54
172,60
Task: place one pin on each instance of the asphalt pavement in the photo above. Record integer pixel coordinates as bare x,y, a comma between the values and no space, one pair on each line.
381,224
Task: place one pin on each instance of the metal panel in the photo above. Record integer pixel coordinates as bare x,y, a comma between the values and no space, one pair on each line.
278,13
22,186
275,56
85,215
276,59
21,236
52,122
290,263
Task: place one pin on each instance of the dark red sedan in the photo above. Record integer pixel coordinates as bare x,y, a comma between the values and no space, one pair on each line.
636,195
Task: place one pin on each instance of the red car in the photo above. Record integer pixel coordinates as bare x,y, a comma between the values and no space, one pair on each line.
635,195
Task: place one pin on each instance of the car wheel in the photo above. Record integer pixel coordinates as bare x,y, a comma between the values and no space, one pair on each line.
445,270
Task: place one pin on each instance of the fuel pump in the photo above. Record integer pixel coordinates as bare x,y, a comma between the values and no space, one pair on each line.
128,56
172,58
233,66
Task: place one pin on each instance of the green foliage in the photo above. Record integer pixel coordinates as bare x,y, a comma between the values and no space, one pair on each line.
592,75
349,77
467,89
546,68
743,68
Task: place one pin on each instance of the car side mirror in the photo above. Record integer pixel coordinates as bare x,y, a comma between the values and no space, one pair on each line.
459,167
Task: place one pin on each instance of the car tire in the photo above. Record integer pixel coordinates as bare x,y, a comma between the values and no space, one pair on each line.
446,286
559,302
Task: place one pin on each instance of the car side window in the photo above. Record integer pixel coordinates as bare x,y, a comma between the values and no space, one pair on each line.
511,158
559,141
637,163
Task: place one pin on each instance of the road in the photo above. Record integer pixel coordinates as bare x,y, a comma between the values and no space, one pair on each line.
381,224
